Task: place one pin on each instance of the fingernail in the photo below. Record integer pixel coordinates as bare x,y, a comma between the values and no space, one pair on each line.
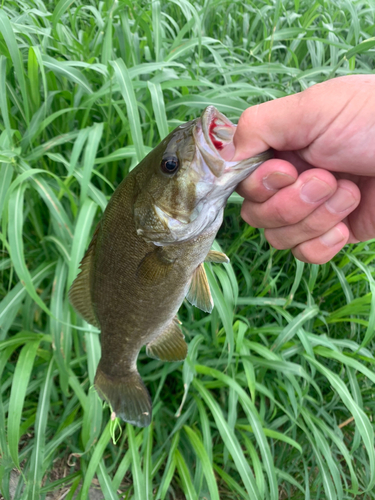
332,237
340,201
315,190
277,180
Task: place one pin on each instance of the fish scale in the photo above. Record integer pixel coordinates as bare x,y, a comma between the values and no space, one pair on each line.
147,255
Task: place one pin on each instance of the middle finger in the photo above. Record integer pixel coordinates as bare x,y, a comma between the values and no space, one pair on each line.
293,203
345,199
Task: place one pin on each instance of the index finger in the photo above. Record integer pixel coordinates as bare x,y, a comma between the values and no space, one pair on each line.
267,179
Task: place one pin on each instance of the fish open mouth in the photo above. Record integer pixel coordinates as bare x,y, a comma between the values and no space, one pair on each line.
217,129
218,132
214,132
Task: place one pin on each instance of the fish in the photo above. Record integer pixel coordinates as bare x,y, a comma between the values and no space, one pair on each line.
147,255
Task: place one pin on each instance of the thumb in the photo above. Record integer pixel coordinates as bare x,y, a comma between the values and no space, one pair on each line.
294,122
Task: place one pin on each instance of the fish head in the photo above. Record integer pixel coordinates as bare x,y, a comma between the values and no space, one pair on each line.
184,182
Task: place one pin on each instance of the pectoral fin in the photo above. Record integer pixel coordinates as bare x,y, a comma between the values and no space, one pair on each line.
217,257
170,345
80,291
199,293
154,266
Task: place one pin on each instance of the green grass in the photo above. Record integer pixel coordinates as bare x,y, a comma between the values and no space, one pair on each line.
276,398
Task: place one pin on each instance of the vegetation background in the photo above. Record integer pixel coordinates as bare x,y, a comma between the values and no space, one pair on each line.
276,398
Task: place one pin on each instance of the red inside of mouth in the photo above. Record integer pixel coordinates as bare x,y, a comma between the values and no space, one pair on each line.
218,144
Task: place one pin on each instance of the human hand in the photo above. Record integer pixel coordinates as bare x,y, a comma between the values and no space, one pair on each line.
319,192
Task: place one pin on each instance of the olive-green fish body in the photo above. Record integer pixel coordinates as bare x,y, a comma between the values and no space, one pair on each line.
147,255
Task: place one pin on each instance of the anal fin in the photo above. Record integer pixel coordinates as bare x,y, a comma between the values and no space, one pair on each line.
170,345
199,293
80,291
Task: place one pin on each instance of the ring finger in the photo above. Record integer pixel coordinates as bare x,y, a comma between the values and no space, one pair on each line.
345,199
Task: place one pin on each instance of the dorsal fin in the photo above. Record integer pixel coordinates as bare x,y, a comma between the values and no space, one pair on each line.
80,291
199,293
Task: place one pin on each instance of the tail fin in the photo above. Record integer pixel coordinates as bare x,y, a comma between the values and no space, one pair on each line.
127,396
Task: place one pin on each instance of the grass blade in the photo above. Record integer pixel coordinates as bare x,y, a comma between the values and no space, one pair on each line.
231,442
254,419
94,462
20,382
16,57
159,108
93,141
127,91
3,98
15,230
36,471
82,230
138,479
105,483
6,174
363,424
205,461
61,7
67,71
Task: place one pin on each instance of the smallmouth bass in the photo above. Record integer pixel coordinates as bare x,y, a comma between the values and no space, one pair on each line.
147,255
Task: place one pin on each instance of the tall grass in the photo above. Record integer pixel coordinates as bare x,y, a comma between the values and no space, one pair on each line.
276,398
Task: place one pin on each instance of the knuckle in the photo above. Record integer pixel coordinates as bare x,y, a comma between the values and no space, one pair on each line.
285,217
312,228
277,240
248,216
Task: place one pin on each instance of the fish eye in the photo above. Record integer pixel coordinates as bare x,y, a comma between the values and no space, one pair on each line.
169,165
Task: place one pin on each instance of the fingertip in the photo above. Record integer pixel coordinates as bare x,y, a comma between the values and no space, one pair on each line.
335,237
322,249
267,179
228,152
246,141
